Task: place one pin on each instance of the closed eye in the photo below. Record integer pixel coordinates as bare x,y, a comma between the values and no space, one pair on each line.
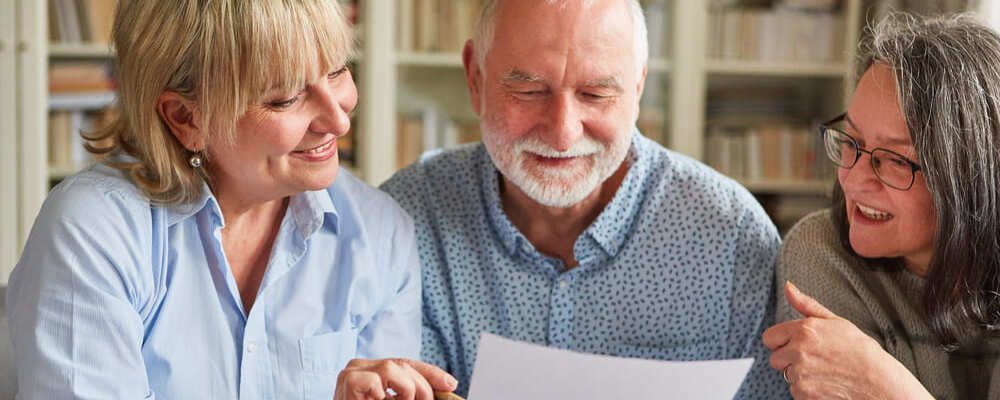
335,74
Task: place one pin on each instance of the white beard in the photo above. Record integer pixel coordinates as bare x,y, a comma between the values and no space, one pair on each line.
560,187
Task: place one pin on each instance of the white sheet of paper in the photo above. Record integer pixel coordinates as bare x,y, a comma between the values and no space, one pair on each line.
507,370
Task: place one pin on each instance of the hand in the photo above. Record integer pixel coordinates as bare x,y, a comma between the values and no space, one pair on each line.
409,379
823,356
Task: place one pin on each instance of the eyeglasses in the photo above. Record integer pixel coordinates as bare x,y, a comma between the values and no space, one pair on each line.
891,168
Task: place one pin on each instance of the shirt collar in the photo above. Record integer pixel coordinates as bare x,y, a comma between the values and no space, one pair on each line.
308,210
610,228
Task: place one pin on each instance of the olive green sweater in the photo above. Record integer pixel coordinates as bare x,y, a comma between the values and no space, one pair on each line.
885,305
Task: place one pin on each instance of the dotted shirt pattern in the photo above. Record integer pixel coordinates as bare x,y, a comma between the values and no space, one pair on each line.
679,266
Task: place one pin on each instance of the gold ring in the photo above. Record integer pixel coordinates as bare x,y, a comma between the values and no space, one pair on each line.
784,374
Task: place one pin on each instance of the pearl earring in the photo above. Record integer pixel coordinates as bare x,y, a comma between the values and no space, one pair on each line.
195,161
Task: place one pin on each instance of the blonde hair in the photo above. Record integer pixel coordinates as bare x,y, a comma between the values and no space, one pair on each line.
223,55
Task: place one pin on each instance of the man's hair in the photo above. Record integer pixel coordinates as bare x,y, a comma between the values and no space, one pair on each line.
482,37
223,56
947,71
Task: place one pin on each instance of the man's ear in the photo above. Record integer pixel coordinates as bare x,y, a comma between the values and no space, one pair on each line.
181,116
473,74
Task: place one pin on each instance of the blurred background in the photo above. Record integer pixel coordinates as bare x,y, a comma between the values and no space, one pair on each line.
738,84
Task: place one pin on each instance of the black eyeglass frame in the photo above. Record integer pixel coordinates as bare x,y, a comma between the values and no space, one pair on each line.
829,125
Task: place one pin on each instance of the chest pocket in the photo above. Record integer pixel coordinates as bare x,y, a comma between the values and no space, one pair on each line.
322,357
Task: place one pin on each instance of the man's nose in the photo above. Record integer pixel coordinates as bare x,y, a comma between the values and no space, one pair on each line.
566,126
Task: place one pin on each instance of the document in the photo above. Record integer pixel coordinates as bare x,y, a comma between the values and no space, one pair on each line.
511,370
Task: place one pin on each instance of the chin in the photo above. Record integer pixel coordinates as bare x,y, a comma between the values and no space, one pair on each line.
321,180
868,245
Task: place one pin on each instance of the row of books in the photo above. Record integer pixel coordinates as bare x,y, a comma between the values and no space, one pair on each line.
435,25
81,21
80,77
445,25
768,152
430,129
781,33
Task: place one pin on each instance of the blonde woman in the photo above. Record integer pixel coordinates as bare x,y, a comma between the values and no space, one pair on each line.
213,255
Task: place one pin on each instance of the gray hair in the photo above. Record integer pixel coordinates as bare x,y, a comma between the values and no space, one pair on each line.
947,73
482,37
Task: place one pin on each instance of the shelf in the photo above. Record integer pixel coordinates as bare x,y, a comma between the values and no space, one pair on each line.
442,60
801,187
80,50
81,101
796,69
454,60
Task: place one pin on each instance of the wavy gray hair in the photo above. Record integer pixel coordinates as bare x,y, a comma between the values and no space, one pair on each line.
947,72
482,37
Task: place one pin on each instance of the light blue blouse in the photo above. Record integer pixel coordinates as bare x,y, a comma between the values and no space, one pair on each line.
116,298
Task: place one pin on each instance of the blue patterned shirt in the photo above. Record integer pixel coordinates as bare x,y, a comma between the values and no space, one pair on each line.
116,298
678,266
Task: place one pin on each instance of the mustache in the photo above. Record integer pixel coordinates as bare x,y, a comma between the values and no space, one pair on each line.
586,146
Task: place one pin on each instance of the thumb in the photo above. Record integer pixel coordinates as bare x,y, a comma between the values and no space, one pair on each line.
805,305
439,380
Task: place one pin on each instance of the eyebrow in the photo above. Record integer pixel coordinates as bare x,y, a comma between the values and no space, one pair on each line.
610,82
892,142
516,75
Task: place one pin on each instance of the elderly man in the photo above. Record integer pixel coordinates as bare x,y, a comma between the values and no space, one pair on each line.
566,227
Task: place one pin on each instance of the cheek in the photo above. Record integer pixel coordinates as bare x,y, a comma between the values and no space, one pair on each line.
920,214
349,97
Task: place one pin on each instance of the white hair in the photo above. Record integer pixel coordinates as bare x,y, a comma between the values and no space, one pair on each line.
482,37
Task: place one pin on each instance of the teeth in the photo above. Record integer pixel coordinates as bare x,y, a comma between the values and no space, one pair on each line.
872,213
320,149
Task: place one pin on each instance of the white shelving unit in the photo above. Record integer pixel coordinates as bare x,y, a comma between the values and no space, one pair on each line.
685,70
684,74
22,125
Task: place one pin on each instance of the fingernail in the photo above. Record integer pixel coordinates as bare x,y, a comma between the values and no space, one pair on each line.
452,382
792,287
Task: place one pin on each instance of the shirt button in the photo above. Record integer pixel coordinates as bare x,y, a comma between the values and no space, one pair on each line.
251,347
563,284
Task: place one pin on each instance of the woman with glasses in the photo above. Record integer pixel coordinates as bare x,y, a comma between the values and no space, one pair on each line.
900,280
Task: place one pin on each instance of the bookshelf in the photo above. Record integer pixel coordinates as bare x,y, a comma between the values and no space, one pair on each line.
420,67
414,72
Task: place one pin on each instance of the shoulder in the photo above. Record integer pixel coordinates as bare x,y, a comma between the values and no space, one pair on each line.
95,196
359,203
812,244
445,174
813,259
680,182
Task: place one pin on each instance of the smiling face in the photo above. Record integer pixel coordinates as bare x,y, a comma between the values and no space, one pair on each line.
885,222
558,106
287,143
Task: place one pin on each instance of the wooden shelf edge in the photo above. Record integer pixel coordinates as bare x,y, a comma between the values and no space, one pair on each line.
787,186
815,69
78,50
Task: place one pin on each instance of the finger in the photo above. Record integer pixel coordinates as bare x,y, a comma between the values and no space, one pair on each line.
438,379
422,389
783,358
805,305
394,375
779,335
359,385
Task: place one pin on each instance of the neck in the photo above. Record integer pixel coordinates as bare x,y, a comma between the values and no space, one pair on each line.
552,230
918,264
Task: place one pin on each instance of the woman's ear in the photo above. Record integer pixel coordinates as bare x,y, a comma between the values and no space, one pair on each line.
181,116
